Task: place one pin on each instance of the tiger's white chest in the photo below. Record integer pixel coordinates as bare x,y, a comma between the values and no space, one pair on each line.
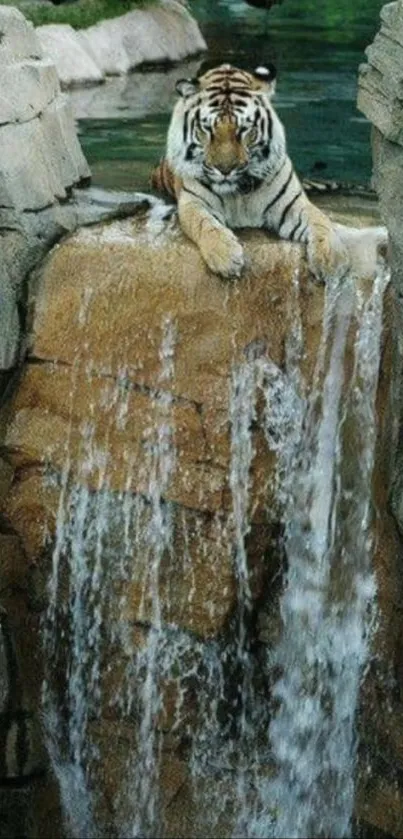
244,210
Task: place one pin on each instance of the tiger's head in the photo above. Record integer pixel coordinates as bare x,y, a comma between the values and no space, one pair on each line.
224,131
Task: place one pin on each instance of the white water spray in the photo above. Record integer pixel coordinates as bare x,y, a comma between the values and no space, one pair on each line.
326,604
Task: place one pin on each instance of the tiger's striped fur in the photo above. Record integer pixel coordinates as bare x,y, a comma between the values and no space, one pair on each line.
227,166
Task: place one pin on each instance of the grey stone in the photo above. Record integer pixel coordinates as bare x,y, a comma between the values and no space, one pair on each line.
13,246
27,88
392,22
385,55
388,181
375,102
29,180
163,32
64,150
18,39
40,158
380,83
74,65
380,98
104,43
6,200
9,322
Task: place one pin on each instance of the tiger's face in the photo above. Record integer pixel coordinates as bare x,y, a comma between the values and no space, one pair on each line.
224,132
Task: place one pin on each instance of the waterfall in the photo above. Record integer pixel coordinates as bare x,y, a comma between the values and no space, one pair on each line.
266,732
327,603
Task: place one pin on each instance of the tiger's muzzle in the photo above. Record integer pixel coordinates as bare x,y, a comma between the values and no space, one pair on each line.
226,159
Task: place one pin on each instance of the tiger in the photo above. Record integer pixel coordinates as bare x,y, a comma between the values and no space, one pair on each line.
227,167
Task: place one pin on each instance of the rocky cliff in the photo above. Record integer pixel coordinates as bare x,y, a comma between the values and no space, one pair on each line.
133,347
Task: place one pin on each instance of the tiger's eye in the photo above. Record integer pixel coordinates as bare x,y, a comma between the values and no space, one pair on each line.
252,135
200,135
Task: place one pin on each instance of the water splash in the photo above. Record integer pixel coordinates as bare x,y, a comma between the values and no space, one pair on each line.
326,604
144,773
97,532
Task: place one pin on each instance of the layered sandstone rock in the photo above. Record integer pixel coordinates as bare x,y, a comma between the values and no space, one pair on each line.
101,308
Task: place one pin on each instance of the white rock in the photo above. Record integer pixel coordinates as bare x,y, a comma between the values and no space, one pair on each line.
6,199
73,63
9,322
18,39
65,154
142,38
27,88
380,82
386,54
104,43
29,179
164,32
183,36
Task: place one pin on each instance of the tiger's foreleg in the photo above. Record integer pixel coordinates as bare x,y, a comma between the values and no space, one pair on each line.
327,254
293,216
202,220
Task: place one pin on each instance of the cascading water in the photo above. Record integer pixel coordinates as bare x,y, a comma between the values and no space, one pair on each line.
258,765
330,588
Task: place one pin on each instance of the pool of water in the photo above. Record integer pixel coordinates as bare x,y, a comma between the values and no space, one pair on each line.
317,49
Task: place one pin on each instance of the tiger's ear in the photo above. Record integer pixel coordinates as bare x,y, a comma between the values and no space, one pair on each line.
187,87
267,76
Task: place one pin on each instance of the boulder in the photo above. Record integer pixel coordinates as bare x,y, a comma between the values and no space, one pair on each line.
102,306
100,324
9,321
380,96
19,41
380,88
63,46
40,160
123,417
164,32
31,86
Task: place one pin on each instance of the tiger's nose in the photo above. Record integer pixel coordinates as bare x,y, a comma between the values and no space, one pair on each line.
226,167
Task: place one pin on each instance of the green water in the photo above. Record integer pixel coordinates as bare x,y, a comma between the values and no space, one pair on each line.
317,48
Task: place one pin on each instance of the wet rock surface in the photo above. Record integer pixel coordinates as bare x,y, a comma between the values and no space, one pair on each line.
380,99
130,334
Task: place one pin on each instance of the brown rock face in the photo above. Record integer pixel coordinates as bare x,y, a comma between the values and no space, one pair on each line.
97,386
143,465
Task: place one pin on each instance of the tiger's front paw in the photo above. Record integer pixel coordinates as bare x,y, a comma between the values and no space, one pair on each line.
328,259
223,253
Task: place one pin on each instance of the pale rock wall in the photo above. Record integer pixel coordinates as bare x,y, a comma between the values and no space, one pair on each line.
163,32
380,98
40,163
40,160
